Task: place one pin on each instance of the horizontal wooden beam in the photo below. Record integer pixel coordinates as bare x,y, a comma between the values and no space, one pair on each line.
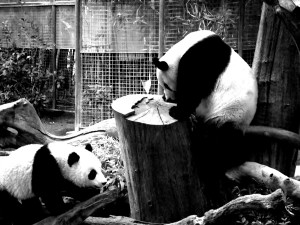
37,4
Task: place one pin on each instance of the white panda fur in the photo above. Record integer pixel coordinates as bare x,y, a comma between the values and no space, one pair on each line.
43,171
208,79
235,92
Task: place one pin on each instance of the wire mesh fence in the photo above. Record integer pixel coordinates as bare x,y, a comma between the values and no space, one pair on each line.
119,40
121,37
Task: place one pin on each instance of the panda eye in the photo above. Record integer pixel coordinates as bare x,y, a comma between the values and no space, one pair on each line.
167,87
92,174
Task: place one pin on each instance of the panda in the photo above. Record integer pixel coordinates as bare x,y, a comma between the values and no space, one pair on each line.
209,80
43,172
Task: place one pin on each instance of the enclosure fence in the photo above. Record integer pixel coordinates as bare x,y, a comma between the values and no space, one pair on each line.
118,40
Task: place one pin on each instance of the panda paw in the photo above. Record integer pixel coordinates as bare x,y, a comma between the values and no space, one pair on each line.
178,114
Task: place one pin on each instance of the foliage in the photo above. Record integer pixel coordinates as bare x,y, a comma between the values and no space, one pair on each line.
109,152
22,71
259,217
205,15
23,76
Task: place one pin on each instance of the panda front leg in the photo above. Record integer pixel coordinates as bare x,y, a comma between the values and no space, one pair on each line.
184,109
32,211
178,113
10,209
48,181
54,203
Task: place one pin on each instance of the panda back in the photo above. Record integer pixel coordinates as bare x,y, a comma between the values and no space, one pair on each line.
16,172
235,95
174,54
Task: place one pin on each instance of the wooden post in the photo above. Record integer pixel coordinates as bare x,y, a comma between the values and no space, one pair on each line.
277,67
78,86
162,179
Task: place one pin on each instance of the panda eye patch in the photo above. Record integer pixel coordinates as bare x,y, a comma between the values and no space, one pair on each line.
167,87
92,174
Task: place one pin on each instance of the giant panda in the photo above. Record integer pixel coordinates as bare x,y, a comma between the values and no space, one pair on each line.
208,79
44,172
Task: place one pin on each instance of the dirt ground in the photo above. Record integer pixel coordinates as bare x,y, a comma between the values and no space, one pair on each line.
58,122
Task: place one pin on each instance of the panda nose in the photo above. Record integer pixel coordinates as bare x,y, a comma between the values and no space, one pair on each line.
102,181
170,100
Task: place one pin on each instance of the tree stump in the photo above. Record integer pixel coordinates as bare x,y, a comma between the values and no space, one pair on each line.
163,184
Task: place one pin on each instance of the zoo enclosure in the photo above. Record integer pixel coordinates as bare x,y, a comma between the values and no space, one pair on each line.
118,40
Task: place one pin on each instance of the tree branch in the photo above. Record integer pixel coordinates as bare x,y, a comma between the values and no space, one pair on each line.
275,134
83,210
273,202
271,178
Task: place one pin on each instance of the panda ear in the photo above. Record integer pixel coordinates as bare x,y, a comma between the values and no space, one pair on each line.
162,65
73,158
89,147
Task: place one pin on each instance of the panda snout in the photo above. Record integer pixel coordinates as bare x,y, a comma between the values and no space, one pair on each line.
170,100
101,181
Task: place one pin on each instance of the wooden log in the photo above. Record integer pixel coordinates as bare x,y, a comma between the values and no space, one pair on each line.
269,177
21,125
81,211
163,185
271,203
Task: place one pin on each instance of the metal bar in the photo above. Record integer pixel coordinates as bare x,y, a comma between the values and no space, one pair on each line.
241,26
78,91
161,38
54,69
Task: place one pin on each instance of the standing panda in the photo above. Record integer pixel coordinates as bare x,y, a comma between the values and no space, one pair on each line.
208,79
45,171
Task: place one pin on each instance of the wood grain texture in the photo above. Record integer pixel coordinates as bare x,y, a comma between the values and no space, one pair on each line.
163,185
276,65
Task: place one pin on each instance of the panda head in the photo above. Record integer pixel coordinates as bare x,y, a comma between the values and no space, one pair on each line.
167,65
78,165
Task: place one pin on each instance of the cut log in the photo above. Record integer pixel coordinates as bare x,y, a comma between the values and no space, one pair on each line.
163,186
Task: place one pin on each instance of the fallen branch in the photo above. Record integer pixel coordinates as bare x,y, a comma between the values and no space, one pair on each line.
83,210
271,178
275,134
271,203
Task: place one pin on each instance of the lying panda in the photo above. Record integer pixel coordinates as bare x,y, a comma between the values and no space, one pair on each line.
44,171
208,79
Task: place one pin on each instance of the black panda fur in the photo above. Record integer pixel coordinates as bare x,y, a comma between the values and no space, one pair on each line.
201,63
192,89
56,169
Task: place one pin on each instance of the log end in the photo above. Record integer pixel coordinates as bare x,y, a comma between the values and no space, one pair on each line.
142,108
